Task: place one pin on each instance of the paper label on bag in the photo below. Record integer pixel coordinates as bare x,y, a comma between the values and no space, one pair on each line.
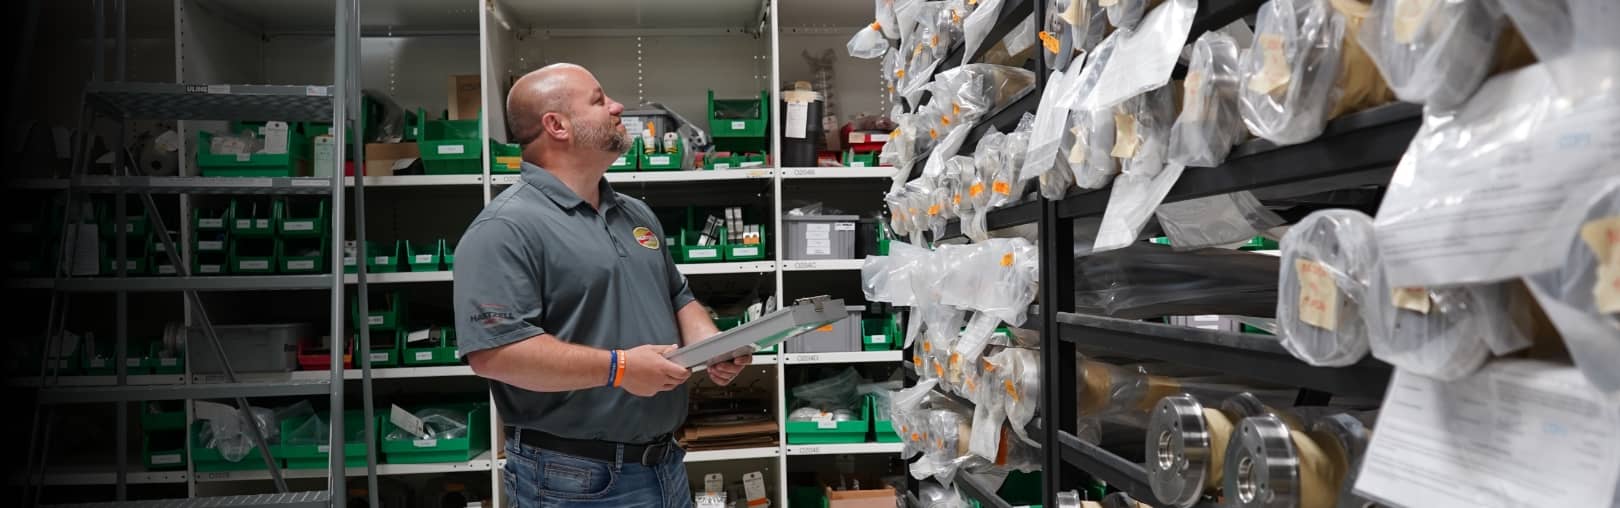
1603,237
1414,299
1495,439
1107,3
1274,72
1409,16
1001,187
754,487
714,483
1125,141
1193,97
797,114
1318,295
406,421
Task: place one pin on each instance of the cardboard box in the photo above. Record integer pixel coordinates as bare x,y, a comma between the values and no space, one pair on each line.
466,97
383,158
878,498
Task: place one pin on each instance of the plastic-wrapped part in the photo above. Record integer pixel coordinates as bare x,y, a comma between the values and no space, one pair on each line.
1057,179
1144,57
1057,44
1329,260
1186,447
960,174
1287,79
950,19
934,495
977,25
1010,268
1107,389
1439,332
1046,137
868,43
832,393
1582,296
1360,84
1345,437
951,431
1142,132
919,72
1575,39
1209,124
883,10
231,437
960,274
1005,185
1214,221
1021,381
1089,25
988,159
1090,158
985,88
1434,53
1146,280
1127,13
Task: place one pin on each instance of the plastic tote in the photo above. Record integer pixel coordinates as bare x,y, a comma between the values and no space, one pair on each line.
400,448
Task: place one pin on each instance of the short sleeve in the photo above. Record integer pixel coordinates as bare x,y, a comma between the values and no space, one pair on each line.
496,287
680,292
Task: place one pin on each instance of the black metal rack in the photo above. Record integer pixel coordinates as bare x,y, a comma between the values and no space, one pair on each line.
1346,166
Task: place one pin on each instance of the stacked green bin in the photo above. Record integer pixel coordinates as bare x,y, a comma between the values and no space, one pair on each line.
830,431
254,217
424,259
302,255
505,158
251,255
881,333
96,357
687,251
860,160
385,345
163,435
744,252
302,217
385,330
293,162
208,460
137,254
739,125
431,346
397,449
451,147
882,430
314,452
384,261
661,161
628,160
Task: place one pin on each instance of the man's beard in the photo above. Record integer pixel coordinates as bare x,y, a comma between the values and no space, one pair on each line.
605,137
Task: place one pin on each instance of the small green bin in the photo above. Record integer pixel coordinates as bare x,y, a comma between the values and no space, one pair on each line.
294,162
860,160
739,124
163,415
451,147
254,217
745,252
881,333
388,310
211,219
431,346
882,430
832,432
687,251
411,450
660,161
165,450
209,460
423,258
628,160
310,452
137,254
135,222
161,361
505,158
448,253
302,217
385,346
253,256
302,255
384,261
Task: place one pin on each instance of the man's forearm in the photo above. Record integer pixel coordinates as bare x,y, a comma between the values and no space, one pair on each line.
695,323
544,364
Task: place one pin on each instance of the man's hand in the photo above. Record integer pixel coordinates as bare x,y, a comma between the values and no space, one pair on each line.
724,372
647,372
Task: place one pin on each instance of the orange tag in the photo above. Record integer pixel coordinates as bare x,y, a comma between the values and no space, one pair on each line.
933,210
956,17
1002,188
988,367
916,438
1318,295
899,73
933,134
973,2
1051,43
933,42
894,133
956,109
945,120
928,347
876,26
956,359
825,328
752,240
939,371
975,190
956,199
1603,237
919,49
1007,259
1012,391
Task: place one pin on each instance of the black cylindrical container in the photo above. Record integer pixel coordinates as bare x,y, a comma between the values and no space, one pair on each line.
801,151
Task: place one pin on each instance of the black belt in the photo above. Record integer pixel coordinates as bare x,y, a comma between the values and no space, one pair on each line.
649,454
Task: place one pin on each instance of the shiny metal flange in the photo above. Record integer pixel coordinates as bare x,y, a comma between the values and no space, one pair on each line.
1262,467
1351,436
1178,451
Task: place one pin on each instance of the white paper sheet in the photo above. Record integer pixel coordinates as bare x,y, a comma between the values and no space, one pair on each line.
1517,433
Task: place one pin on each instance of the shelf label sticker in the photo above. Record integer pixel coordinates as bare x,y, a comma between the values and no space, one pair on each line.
380,260
244,223
826,423
301,264
738,125
210,245
219,89
166,458
806,265
423,356
423,258
315,91
843,226
452,150
379,357
406,421
208,269
425,443
325,448
658,160
619,161
301,225
703,253
256,264
133,362
746,251
210,223
714,483
858,164
374,320
262,223
880,339
722,165
808,358
169,362
311,182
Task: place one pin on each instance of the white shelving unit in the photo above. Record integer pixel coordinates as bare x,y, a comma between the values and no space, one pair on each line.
843,449
736,454
818,265
841,358
481,463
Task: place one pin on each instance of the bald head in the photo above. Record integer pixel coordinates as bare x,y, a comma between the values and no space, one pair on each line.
548,89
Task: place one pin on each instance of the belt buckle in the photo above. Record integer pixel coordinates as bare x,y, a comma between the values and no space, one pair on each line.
653,455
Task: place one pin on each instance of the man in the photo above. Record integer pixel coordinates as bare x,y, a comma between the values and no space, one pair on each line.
566,301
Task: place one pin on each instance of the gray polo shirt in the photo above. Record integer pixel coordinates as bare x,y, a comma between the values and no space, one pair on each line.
539,259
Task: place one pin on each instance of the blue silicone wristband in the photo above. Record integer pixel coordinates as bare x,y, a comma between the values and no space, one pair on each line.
613,366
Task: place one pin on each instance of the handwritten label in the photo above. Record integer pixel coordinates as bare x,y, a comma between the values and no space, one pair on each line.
1414,299
1193,96
452,150
714,483
1318,295
1274,73
754,488
1603,237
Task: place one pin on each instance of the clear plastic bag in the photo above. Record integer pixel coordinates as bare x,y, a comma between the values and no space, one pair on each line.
1089,157
1144,56
977,26
988,159
1009,281
1056,180
231,437
1209,124
1328,262
1437,332
1021,382
834,393
1434,53
960,277
1142,132
1574,296
1057,44
1089,24
1575,39
1005,185
1288,78
950,19
1146,281
868,43
985,88
1132,200
1046,138
1214,221
1126,14
886,20
961,172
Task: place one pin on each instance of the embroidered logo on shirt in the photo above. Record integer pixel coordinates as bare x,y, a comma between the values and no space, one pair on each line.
645,237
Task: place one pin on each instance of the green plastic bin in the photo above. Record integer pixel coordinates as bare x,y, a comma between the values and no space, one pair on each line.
384,261
137,254
745,252
385,346
295,162
166,450
451,147
302,255
411,450
160,361
832,432
163,415
300,454
254,217
881,333
739,125
439,348
628,160
882,430
253,255
505,158
388,310
209,460
447,252
687,251
860,160
135,225
423,259
303,217
211,219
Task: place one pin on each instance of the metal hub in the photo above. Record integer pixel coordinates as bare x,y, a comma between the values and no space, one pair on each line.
1262,466
1178,451
1350,435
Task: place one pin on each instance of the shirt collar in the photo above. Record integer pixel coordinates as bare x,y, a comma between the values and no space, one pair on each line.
559,193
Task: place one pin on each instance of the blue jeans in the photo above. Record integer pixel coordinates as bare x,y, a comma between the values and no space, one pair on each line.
539,478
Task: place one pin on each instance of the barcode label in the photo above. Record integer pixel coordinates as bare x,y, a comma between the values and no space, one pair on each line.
425,443
658,160
210,223
424,258
374,320
452,150
253,265
303,225
738,125
746,251
423,356
379,357
305,264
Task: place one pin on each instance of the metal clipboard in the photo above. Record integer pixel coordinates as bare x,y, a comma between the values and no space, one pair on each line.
805,315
